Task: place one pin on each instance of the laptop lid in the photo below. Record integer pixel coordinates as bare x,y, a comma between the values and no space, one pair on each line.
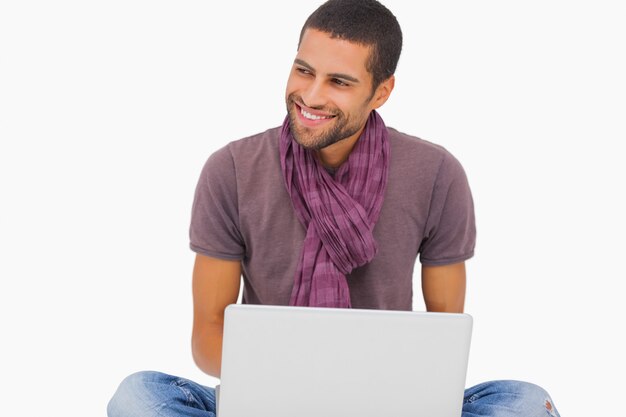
308,362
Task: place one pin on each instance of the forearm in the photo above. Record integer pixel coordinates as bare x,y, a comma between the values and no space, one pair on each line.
216,284
207,348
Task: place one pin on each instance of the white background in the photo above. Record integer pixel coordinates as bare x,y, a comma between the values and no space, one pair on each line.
108,111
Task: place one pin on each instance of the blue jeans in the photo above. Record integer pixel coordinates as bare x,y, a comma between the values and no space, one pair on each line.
160,395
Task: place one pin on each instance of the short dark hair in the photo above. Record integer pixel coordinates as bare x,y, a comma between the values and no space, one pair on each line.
366,22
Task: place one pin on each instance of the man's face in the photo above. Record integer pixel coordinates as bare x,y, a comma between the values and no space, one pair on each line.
329,91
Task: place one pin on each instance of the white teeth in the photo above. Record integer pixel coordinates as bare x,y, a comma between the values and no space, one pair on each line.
312,116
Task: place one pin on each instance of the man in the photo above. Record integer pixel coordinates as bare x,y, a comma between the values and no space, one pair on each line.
330,209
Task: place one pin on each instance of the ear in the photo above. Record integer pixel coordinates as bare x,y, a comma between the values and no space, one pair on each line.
383,91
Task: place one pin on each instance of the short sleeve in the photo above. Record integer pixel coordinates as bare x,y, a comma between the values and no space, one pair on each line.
214,229
450,233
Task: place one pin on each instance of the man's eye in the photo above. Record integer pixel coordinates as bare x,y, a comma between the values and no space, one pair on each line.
303,71
339,82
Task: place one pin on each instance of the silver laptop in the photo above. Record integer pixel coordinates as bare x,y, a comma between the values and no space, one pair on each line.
312,362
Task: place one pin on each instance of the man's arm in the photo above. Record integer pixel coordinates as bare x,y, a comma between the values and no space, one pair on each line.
216,284
444,287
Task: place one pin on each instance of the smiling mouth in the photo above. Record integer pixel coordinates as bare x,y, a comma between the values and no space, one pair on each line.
312,115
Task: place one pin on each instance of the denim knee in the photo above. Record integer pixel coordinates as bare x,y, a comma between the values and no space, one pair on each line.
136,395
520,398
536,397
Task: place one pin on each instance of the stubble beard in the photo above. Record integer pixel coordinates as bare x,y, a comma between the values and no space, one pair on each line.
340,128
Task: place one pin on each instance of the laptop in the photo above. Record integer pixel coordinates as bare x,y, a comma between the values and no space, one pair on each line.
309,362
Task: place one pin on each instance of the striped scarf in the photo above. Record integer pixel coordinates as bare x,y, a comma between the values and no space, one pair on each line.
338,213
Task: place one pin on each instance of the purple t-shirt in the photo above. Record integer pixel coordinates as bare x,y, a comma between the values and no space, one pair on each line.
242,211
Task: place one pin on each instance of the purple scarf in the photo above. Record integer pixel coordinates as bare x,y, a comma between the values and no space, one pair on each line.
339,213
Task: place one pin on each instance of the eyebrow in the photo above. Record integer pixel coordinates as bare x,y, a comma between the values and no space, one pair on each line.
332,75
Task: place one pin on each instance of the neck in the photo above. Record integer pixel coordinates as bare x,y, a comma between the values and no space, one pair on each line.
336,154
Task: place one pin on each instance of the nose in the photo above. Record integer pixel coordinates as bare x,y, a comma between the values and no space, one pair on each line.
314,95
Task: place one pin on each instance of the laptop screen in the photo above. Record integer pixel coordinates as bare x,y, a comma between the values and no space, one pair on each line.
300,361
